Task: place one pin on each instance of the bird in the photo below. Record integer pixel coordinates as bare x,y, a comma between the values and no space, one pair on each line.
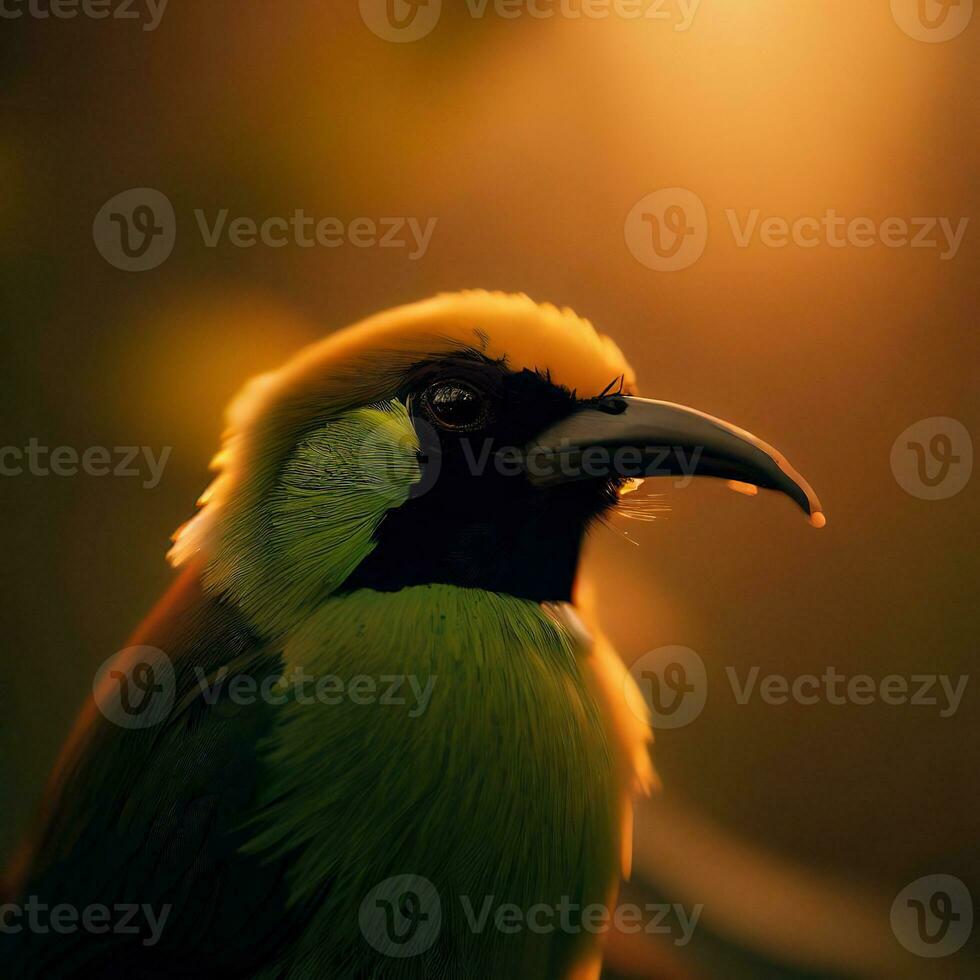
390,716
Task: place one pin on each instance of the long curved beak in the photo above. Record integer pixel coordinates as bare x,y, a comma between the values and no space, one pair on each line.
637,437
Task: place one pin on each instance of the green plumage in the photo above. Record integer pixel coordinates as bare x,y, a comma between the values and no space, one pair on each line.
316,523
505,777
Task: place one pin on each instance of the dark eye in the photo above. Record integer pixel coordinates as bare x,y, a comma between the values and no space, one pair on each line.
456,405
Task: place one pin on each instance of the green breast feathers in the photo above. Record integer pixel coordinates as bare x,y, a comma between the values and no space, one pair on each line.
453,741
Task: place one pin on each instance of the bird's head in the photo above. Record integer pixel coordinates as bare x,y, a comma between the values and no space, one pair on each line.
469,439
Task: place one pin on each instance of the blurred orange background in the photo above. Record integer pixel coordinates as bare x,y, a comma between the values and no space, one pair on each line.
530,140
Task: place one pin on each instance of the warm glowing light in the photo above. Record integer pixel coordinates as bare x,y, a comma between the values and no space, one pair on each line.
747,488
